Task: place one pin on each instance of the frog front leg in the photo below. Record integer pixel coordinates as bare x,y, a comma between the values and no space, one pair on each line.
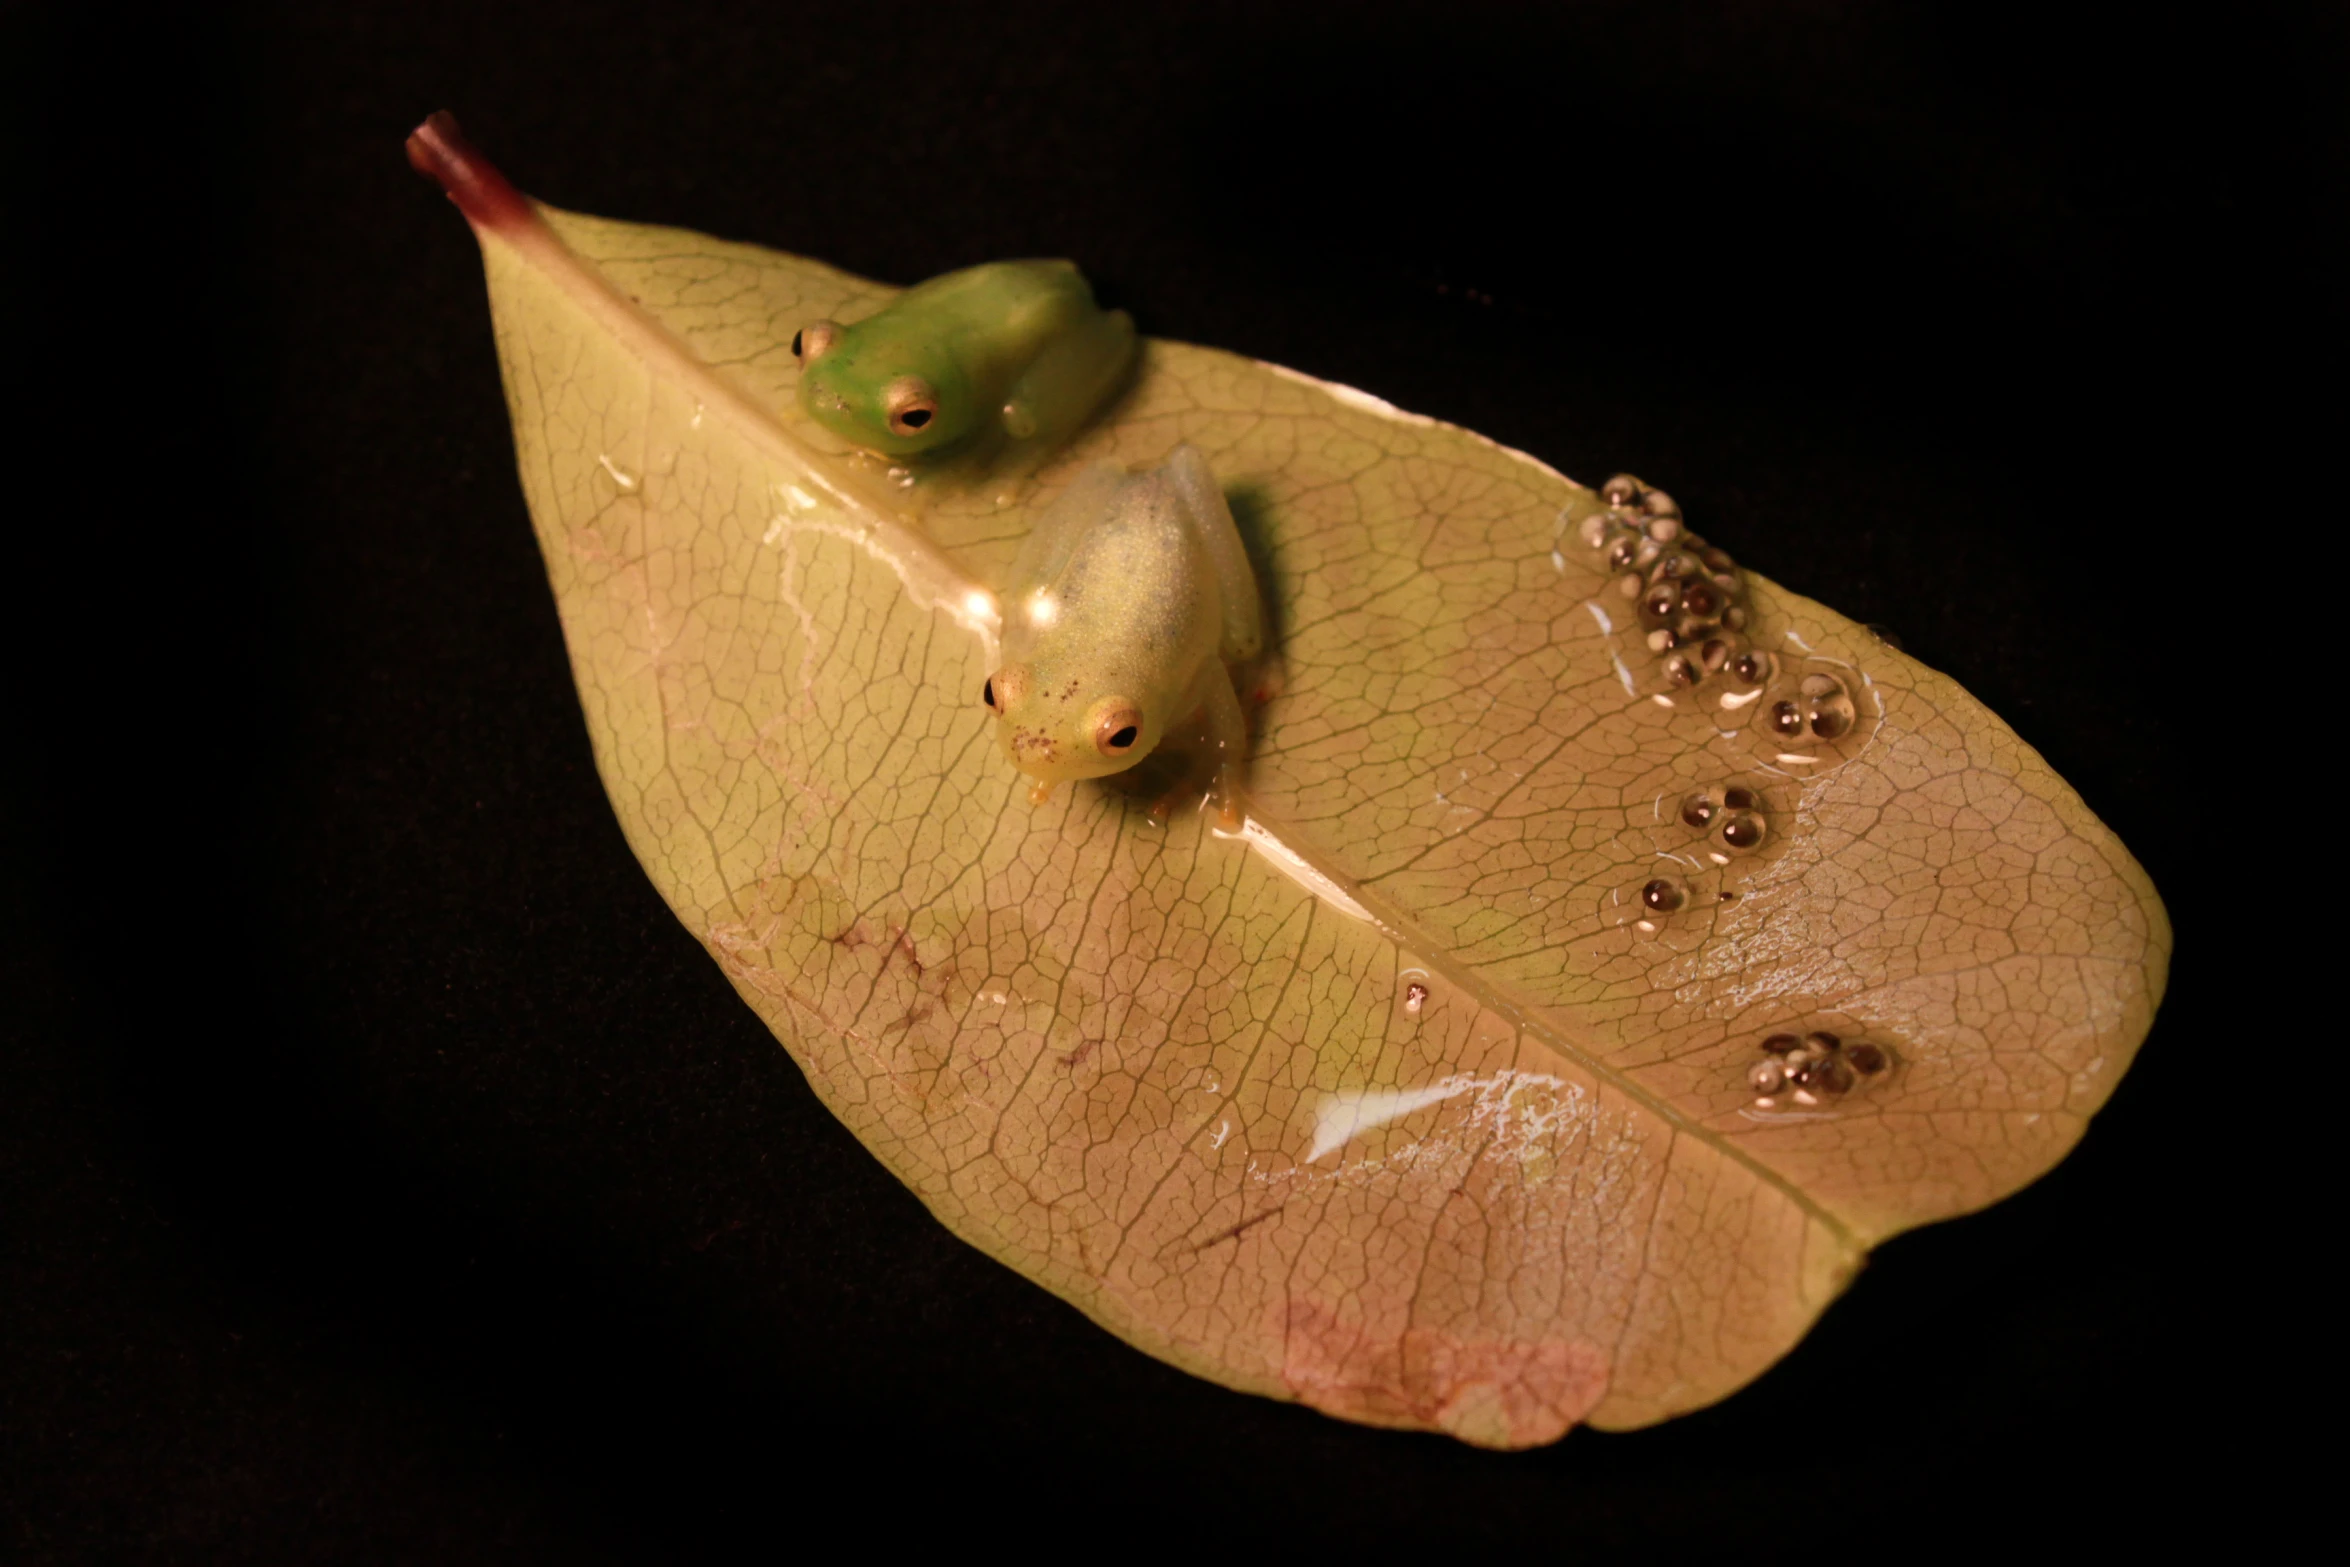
1070,378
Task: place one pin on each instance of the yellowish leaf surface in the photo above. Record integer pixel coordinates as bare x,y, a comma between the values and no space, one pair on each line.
1397,1103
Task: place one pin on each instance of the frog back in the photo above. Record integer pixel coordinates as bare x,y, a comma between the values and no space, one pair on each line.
1126,599
1003,312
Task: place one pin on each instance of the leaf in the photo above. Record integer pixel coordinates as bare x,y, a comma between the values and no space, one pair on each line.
1391,1105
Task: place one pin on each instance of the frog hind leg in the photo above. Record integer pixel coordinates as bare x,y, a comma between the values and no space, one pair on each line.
1222,754
1064,385
1210,517
1228,736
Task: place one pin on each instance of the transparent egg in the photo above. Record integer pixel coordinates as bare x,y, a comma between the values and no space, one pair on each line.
1715,653
1743,832
1664,895
1828,710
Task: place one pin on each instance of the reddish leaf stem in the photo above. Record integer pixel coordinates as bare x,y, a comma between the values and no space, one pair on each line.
439,151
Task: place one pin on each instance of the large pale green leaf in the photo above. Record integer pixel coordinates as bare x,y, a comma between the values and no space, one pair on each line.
1391,1104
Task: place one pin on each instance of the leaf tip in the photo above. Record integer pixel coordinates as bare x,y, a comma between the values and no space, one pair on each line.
438,150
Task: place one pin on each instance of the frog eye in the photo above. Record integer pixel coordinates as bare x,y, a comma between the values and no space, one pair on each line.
1116,728
813,341
911,403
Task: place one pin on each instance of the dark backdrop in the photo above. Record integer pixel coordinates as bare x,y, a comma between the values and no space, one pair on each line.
388,1176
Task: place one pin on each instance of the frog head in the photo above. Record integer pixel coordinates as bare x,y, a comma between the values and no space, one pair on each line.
888,394
1055,723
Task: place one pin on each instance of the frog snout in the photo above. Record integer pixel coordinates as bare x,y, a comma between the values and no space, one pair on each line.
1032,747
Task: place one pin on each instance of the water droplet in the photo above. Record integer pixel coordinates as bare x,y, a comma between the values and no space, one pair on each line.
1751,668
1766,1077
1662,641
1415,996
1780,1044
1629,584
1830,1078
1735,617
1665,894
1740,798
1593,530
1622,490
1718,559
1660,504
1661,602
1867,1059
1702,598
1822,1042
1698,810
1645,552
1682,670
1679,566
1787,719
1665,529
1714,655
1621,550
1743,831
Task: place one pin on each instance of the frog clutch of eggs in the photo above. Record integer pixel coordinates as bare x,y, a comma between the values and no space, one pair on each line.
1812,1069
1688,596
1732,820
1690,600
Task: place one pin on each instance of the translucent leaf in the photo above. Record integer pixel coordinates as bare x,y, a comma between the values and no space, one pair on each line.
1404,1102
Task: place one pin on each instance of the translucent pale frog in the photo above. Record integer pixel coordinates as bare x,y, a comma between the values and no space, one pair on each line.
1012,354
1124,611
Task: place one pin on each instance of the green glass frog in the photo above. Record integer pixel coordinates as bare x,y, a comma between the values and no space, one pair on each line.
1013,351
1125,609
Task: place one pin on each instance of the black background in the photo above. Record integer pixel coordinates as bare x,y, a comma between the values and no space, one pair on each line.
388,1176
